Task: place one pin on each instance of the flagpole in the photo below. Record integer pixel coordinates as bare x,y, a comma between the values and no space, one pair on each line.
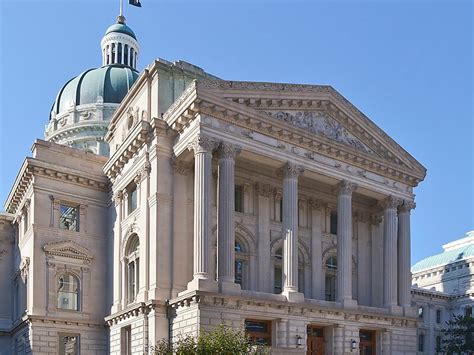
121,8
120,18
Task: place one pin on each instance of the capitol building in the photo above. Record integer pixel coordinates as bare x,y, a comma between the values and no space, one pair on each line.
165,202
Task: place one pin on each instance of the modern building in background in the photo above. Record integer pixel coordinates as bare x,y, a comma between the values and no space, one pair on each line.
443,286
169,201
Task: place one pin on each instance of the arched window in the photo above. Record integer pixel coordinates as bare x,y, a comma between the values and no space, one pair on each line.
330,278
68,292
119,51
113,54
125,56
132,263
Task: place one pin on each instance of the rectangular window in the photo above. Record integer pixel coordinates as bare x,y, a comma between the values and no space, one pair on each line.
420,312
69,344
132,198
281,209
438,344
259,332
126,340
330,287
239,198
421,345
239,267
333,229
131,281
277,288
438,316
69,217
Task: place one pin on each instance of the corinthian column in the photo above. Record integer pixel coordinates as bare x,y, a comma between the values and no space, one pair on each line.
404,275
290,173
344,243
225,218
390,205
202,147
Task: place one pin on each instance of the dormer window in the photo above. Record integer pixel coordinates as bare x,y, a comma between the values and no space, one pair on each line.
69,217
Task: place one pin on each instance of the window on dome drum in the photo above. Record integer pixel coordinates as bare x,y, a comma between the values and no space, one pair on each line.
108,55
259,331
69,217
330,278
119,61
132,263
420,312
113,54
421,340
125,55
438,316
468,311
132,197
69,344
126,340
239,198
68,292
333,223
131,57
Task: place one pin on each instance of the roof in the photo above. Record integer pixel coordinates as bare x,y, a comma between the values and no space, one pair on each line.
444,258
110,82
121,28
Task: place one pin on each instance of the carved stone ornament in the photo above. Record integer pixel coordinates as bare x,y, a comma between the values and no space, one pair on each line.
228,151
317,204
322,124
202,144
375,219
264,190
290,171
346,187
181,167
391,202
407,206
362,216
68,249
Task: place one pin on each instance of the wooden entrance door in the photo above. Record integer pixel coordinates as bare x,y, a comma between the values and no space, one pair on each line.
315,341
367,343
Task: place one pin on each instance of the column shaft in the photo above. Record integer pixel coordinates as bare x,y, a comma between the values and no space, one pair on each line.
226,212
344,242
404,275
389,252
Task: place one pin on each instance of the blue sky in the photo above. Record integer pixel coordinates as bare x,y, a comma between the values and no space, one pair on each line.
408,65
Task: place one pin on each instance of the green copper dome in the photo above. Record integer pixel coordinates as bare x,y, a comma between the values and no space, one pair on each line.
121,28
447,257
110,83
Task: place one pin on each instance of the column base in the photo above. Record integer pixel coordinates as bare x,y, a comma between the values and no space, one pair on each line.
348,303
293,296
201,284
394,309
230,288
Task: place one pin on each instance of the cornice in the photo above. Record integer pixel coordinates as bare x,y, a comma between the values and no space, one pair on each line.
134,310
196,101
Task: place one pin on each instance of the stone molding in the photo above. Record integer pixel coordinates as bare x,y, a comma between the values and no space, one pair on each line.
199,101
134,310
68,249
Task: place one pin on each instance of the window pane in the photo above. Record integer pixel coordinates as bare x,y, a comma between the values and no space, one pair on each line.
333,223
131,281
278,280
239,198
68,218
133,199
239,265
330,287
68,292
331,263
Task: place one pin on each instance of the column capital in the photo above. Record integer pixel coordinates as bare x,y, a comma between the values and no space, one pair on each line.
290,171
346,187
317,204
406,206
375,219
362,216
264,190
391,202
117,197
227,150
202,144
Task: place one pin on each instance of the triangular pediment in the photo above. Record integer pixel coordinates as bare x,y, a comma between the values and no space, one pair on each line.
69,249
318,110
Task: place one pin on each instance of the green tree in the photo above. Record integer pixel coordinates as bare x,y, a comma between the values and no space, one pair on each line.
221,340
459,335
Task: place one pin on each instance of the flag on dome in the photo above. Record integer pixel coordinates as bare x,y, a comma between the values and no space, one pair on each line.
135,3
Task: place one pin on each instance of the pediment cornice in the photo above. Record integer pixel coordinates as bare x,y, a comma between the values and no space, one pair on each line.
68,249
380,153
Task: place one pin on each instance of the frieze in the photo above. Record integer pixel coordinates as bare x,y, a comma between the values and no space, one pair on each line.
322,124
